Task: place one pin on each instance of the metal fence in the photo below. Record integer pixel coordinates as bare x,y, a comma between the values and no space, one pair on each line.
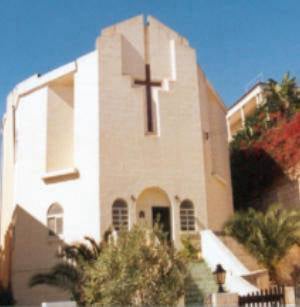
270,297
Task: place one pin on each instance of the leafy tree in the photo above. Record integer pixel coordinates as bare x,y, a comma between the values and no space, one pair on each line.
68,273
268,236
140,269
283,143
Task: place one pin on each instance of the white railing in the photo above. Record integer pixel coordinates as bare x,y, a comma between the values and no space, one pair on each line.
214,252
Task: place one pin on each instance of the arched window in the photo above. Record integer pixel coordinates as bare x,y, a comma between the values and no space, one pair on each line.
119,214
55,220
187,216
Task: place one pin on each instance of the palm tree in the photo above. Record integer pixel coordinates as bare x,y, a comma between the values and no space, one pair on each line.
268,236
68,273
283,97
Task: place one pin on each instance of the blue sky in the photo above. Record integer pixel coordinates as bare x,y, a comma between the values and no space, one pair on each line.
236,40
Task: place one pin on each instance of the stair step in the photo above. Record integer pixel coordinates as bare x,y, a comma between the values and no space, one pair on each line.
241,253
200,283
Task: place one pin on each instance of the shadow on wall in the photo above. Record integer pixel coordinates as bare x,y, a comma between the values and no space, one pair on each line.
131,55
29,249
284,191
6,296
5,258
258,181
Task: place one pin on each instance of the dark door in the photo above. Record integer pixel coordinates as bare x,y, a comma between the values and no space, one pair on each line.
162,215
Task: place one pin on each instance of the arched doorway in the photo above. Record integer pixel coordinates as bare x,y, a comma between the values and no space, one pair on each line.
153,205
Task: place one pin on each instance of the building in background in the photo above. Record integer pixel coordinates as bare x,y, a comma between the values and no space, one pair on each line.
242,108
285,189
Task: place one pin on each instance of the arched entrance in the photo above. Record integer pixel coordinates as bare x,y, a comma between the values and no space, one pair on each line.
153,205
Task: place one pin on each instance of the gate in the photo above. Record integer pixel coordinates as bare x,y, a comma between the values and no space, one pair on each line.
271,297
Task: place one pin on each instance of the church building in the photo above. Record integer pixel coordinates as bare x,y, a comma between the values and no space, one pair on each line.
128,133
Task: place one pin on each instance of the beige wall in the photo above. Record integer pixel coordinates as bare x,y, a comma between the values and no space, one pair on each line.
220,206
60,127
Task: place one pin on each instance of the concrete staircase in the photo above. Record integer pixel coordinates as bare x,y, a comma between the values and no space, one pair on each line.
199,284
244,275
258,275
241,253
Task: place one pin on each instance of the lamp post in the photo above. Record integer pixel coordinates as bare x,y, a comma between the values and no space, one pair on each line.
220,275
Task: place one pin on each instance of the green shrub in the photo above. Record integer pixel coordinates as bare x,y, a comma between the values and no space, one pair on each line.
189,251
140,269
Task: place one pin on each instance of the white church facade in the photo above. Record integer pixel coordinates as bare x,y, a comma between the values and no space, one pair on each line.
129,132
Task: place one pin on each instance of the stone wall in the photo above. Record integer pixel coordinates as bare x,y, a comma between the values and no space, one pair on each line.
284,191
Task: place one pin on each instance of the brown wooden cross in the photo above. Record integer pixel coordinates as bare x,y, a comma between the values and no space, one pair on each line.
148,84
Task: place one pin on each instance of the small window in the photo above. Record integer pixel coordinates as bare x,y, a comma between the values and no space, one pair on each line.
187,216
119,215
55,220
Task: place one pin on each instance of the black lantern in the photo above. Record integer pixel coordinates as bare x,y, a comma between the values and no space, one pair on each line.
220,275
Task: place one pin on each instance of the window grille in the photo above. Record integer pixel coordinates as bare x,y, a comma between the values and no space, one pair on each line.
55,220
187,216
120,215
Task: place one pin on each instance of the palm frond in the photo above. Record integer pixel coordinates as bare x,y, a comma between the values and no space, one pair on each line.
68,274
95,246
268,236
62,275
